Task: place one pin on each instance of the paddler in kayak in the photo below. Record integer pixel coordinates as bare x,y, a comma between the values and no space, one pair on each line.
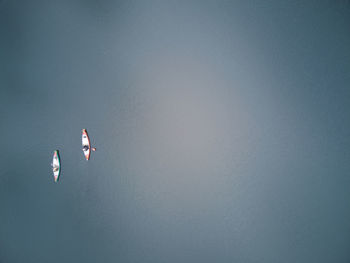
56,165
86,144
86,148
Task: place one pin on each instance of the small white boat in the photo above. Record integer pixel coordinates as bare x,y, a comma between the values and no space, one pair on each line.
56,165
86,144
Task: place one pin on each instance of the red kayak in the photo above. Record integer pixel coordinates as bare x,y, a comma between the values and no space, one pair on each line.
86,144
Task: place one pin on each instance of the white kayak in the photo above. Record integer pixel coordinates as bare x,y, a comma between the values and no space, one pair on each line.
56,165
85,140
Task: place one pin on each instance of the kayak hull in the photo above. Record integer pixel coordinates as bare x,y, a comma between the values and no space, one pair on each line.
56,165
86,142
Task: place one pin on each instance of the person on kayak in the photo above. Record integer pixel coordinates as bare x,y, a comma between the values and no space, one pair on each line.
85,148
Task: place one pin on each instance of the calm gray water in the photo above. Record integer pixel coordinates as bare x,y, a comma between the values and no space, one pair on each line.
222,130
